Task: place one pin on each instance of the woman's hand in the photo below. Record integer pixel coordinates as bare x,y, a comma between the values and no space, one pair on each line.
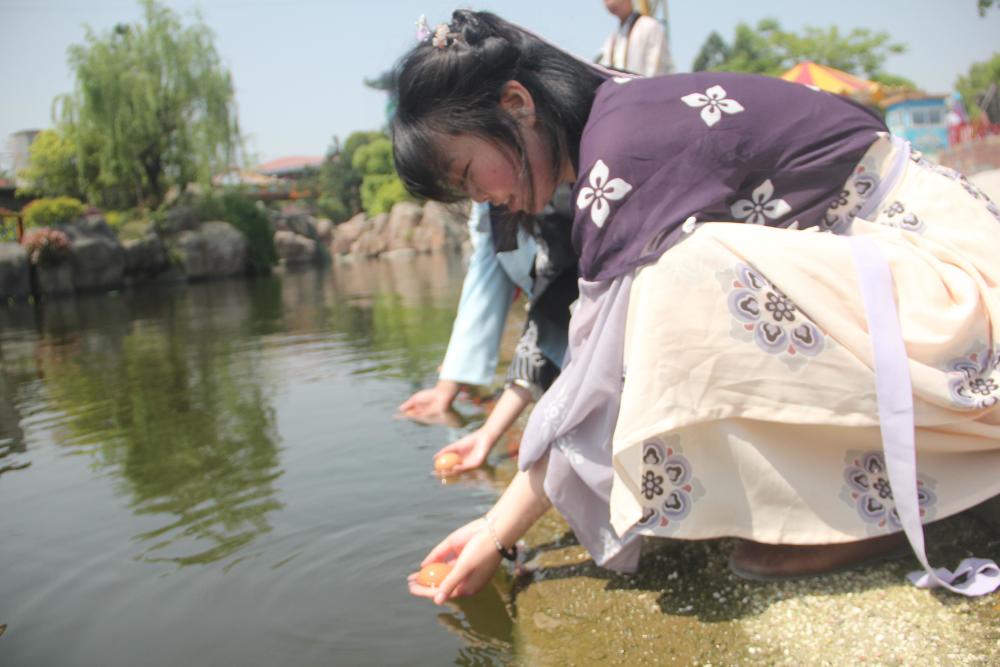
475,565
472,449
432,402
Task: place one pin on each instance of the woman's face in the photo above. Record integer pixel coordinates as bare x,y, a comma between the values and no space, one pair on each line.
488,172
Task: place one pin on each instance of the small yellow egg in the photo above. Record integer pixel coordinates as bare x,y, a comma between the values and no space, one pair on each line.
432,575
444,463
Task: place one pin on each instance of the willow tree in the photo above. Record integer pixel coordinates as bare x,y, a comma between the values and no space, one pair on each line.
153,108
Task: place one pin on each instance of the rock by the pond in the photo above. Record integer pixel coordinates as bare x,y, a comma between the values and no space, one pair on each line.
403,221
54,278
441,228
97,258
145,257
372,242
294,218
294,248
324,231
215,250
15,277
408,226
346,233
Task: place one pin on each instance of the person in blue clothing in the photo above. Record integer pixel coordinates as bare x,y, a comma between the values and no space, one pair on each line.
507,254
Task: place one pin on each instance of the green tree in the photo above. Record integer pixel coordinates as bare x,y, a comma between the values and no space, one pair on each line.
980,89
339,183
768,49
380,185
153,109
52,169
713,54
984,5
360,176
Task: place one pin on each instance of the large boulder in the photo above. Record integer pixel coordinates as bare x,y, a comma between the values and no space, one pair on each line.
403,221
369,244
215,250
97,258
374,241
295,218
324,231
346,233
145,257
15,276
442,227
294,248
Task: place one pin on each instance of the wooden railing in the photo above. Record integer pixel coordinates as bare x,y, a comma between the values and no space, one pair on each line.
6,216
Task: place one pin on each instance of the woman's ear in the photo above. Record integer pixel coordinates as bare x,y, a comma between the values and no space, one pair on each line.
517,101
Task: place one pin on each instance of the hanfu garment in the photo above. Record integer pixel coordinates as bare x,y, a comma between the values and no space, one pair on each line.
743,356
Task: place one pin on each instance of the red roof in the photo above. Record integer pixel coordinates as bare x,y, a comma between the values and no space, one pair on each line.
292,163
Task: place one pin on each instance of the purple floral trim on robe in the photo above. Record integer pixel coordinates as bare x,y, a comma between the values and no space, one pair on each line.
669,487
974,380
777,324
867,488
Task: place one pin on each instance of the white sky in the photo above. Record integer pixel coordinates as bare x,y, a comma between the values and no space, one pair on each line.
298,64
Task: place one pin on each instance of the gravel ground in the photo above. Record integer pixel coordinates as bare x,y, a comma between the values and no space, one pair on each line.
685,608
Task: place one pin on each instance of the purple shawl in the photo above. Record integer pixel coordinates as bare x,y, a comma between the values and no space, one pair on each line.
712,146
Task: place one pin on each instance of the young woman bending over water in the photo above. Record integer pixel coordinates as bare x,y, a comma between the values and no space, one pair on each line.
773,380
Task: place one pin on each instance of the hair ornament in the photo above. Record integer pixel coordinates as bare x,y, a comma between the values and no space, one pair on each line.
423,30
440,39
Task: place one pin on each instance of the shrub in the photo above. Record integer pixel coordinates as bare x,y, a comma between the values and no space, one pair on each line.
380,192
134,230
52,211
45,245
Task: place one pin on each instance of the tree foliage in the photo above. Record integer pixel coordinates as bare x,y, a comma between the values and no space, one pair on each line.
380,185
980,89
360,176
52,168
984,5
768,49
55,211
153,109
339,184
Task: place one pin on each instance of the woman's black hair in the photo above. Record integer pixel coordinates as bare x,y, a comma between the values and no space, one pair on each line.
452,85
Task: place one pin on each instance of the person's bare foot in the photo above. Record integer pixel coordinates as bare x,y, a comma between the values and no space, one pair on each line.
766,562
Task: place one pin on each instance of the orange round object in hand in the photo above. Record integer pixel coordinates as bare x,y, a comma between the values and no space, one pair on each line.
432,575
446,462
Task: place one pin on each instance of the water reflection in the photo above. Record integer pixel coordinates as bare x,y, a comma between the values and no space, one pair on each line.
177,406
242,422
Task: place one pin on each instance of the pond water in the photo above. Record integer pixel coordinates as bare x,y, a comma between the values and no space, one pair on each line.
211,474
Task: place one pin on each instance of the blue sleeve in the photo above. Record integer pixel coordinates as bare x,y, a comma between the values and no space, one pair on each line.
482,311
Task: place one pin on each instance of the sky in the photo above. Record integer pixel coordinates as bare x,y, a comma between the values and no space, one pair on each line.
298,65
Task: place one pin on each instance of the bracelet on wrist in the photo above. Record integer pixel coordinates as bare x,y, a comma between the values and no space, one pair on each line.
509,553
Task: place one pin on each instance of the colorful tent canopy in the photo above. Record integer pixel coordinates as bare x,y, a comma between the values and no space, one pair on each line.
833,80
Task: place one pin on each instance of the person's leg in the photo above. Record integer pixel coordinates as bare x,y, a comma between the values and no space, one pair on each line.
757,561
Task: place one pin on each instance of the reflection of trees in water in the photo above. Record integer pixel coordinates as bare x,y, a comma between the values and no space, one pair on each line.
398,313
175,403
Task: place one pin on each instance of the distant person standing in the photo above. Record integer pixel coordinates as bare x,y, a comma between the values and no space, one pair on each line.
639,45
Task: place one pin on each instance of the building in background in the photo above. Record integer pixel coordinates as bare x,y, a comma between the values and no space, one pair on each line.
18,153
923,121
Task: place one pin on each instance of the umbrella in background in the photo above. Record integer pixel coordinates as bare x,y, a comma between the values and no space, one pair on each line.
834,81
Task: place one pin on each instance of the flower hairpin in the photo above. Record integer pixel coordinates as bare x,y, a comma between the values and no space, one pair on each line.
423,30
440,39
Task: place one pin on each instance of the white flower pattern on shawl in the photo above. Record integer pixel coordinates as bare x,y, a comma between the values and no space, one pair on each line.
761,206
527,347
554,413
601,191
713,104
